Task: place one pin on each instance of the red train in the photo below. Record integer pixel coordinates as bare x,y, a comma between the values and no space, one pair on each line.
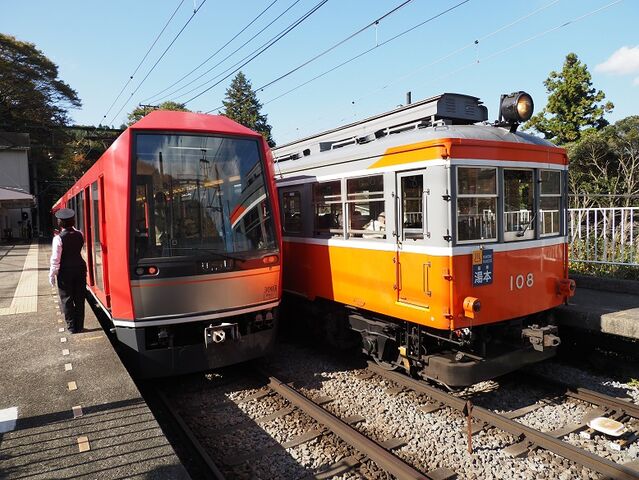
183,241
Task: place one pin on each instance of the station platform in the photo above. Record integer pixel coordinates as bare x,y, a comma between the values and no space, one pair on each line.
603,305
68,407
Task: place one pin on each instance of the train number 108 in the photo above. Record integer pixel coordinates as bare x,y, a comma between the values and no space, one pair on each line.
518,282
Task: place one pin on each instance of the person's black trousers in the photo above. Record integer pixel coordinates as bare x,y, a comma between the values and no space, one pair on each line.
72,290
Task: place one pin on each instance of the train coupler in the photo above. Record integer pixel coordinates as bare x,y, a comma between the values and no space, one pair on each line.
541,337
216,334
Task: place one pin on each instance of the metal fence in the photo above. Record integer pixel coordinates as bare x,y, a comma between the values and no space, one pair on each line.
604,235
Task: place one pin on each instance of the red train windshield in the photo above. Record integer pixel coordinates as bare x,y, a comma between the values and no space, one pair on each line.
199,194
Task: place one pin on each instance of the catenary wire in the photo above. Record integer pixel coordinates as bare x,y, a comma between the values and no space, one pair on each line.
459,50
213,54
511,47
269,45
530,39
142,61
361,54
159,59
333,47
226,58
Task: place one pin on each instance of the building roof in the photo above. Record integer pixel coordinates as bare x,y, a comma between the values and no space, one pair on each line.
15,198
14,141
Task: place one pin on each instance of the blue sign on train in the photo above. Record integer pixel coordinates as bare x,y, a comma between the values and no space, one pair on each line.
482,267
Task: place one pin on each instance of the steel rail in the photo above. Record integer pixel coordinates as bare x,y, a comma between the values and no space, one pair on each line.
382,457
590,396
543,440
213,472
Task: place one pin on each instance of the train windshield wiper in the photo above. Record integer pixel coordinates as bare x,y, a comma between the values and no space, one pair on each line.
528,225
215,253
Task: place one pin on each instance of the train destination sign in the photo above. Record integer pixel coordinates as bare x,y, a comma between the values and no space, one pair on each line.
482,267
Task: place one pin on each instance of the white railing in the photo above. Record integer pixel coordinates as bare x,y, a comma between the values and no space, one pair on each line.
604,235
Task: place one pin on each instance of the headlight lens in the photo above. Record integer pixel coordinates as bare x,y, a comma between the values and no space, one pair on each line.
517,107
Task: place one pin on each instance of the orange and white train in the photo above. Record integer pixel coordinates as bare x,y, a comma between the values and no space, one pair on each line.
437,237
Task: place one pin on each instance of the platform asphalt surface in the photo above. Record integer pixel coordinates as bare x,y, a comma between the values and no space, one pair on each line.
603,305
68,408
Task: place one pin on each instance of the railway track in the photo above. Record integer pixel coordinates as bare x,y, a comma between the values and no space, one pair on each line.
345,421
206,467
285,401
530,438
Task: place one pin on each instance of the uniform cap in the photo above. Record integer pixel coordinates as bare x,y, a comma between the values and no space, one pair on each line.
64,214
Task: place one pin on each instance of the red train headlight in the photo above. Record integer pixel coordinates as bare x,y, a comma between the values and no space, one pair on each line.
270,259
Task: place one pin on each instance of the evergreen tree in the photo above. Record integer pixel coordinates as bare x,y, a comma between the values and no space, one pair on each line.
34,100
573,104
241,105
141,111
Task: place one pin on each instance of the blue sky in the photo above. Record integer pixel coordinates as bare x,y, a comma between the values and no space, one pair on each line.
98,45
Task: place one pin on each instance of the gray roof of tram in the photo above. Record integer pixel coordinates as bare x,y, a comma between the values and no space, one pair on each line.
377,147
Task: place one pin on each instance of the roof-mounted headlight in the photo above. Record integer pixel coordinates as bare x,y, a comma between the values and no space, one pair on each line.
516,108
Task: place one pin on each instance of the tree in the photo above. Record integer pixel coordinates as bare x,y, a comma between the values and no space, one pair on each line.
34,100
32,97
573,104
604,165
143,110
241,105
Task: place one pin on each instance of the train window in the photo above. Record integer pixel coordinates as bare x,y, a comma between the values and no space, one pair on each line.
476,204
327,207
365,200
519,201
550,202
97,246
292,210
412,207
200,195
79,213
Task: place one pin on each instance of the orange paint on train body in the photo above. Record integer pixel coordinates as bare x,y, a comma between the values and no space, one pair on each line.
525,282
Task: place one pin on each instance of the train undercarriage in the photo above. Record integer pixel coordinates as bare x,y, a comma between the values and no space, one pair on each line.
455,359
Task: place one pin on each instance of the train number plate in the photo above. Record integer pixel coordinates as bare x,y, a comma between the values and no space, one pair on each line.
270,292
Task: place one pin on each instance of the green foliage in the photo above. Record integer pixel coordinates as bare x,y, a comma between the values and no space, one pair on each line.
34,100
573,104
241,105
85,146
604,165
143,110
32,96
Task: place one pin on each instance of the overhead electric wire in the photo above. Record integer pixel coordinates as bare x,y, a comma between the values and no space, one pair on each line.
341,42
260,52
142,61
500,52
226,58
361,54
213,54
160,58
530,39
461,49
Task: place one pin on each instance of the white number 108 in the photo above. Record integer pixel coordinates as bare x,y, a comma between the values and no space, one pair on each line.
519,281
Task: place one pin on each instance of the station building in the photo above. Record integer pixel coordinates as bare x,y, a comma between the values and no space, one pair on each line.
16,200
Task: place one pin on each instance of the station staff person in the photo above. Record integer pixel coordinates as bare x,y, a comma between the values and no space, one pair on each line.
70,269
